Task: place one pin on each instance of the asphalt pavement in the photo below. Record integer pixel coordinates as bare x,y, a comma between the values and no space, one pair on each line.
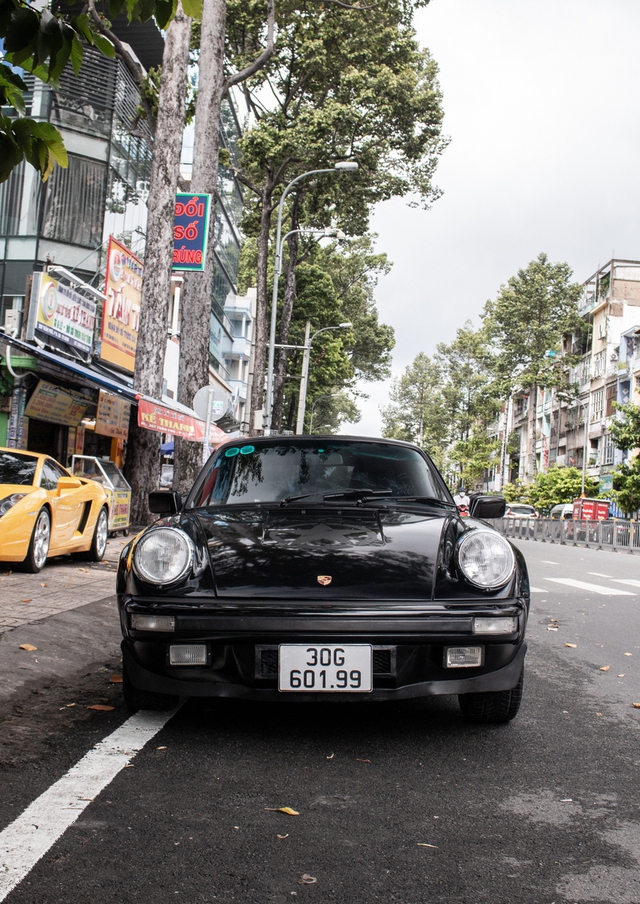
402,804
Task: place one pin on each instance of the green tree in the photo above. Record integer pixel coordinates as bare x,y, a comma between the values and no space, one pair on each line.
558,485
626,429
626,477
525,324
416,413
344,83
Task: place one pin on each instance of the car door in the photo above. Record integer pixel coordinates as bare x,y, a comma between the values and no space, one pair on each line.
67,507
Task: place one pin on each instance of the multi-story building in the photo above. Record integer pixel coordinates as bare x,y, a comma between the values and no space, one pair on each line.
575,430
64,226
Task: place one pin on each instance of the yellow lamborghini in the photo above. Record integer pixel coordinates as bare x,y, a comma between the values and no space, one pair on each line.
45,511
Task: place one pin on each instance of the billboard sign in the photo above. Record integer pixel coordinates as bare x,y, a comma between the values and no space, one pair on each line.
112,416
56,405
190,231
168,420
121,312
59,312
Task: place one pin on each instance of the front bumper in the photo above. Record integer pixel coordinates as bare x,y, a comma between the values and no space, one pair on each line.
242,641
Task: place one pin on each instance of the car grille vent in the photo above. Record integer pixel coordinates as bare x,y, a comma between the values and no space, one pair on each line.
267,661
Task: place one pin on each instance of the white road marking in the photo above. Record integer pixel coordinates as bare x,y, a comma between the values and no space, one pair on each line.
538,590
547,562
598,574
630,581
31,835
592,588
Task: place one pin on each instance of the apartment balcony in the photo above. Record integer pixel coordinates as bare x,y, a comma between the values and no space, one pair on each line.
240,348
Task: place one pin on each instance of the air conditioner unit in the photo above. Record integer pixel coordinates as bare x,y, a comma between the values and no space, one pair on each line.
614,356
11,320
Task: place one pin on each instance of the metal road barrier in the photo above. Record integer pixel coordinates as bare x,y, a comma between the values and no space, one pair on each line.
616,535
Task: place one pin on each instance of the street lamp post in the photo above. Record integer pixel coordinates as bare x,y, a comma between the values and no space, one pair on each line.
345,166
304,382
330,395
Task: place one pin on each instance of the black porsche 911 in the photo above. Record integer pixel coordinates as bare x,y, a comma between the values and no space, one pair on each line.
324,567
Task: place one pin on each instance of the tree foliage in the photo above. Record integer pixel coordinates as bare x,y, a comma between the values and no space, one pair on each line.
558,485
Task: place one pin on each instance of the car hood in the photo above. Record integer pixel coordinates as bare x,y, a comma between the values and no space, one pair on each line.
8,489
314,554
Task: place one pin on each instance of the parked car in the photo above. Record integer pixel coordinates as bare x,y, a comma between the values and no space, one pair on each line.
563,511
45,511
323,568
520,510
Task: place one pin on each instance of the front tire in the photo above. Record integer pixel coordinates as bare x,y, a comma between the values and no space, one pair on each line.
39,544
492,707
100,535
136,699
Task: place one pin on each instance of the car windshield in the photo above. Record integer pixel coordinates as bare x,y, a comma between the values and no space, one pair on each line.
16,468
284,469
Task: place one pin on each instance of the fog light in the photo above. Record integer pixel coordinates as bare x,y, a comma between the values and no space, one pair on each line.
153,623
188,654
463,657
495,625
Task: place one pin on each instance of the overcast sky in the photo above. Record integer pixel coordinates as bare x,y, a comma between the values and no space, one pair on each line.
541,106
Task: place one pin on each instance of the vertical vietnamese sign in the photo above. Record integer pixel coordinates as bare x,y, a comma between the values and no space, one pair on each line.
190,231
121,312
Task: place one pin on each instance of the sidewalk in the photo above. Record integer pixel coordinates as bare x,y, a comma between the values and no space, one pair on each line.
65,583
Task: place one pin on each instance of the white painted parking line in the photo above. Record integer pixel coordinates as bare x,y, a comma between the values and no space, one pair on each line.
630,582
31,835
591,588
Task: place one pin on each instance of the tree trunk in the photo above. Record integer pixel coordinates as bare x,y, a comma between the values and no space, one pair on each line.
198,286
283,335
261,335
143,453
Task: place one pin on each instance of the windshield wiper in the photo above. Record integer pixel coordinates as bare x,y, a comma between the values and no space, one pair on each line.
430,500
359,495
295,498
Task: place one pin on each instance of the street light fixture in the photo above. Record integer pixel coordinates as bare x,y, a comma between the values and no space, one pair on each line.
304,382
343,166
330,395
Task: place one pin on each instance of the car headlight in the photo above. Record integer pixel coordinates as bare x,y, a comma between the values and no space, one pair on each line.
485,559
9,501
163,555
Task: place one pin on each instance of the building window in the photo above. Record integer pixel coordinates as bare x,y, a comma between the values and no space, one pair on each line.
598,365
74,207
597,405
612,392
607,449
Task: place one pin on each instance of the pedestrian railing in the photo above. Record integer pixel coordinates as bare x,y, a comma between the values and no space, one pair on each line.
619,536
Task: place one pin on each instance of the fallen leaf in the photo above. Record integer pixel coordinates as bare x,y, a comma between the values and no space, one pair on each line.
307,880
598,714
358,760
70,704
28,600
331,757
44,585
621,676
29,647
117,679
636,705
283,836
101,707
572,645
286,810
164,748
605,668
422,844
551,628
84,569
628,654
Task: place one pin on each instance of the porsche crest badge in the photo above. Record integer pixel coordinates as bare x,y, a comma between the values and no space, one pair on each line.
324,579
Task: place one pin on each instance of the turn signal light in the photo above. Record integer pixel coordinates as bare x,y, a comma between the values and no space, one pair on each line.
164,623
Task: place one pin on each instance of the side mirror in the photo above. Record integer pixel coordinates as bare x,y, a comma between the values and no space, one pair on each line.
65,484
164,502
482,506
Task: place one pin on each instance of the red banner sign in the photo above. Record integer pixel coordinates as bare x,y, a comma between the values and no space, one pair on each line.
167,420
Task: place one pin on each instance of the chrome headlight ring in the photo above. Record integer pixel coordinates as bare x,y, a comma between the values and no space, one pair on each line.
163,556
485,559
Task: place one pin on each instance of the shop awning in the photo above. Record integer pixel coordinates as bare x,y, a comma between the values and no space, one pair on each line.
166,416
